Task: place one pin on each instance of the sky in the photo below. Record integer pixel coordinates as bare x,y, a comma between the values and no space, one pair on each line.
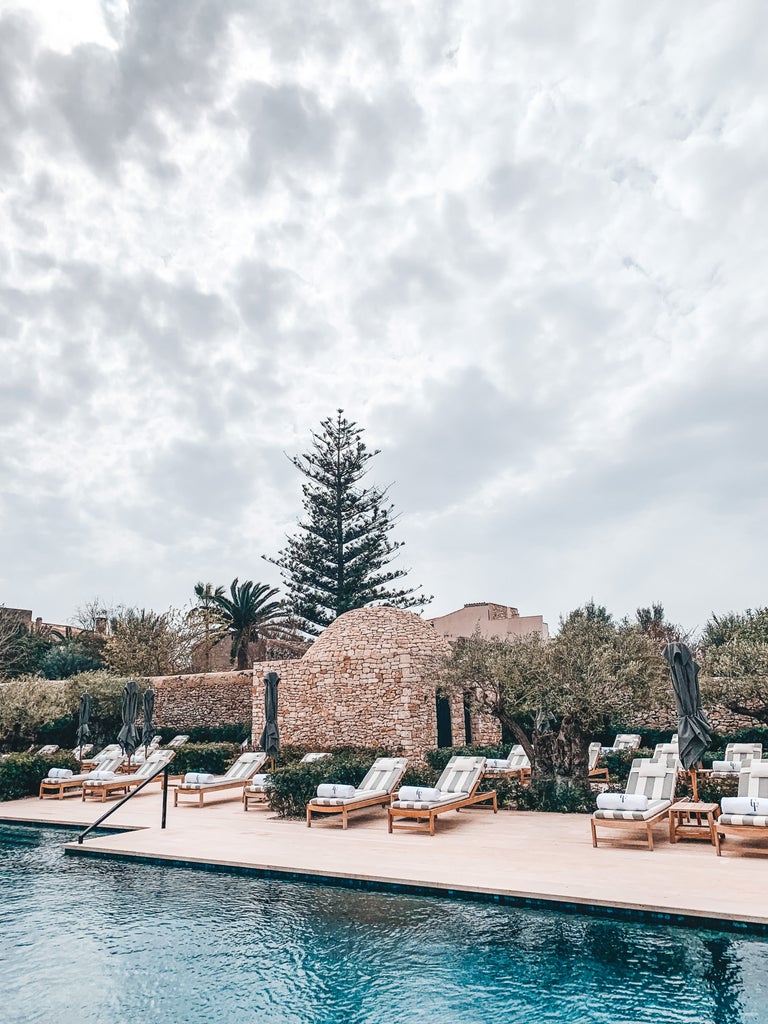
522,244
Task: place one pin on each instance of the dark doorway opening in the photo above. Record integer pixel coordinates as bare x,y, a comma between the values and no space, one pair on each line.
467,721
444,733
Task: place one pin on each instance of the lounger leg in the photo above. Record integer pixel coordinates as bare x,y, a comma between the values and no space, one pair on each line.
717,841
431,824
389,822
175,798
650,836
200,799
309,817
343,817
594,832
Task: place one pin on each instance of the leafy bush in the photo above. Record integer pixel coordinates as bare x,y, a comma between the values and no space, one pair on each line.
204,757
440,757
68,659
233,733
21,774
561,796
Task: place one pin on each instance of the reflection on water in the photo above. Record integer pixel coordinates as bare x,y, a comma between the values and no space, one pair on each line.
94,941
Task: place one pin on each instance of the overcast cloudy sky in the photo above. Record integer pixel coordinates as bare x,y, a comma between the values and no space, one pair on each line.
522,244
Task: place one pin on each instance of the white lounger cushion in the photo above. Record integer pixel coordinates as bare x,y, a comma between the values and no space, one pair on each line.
340,801
199,778
654,807
424,805
336,789
744,805
423,793
622,802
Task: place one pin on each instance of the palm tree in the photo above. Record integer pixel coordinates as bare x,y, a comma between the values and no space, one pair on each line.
207,598
247,615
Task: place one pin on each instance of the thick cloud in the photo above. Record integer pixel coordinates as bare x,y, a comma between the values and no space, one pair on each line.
521,244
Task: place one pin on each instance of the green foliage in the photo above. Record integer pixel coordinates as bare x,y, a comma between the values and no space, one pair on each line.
247,615
21,774
204,757
339,559
142,642
750,626
438,758
559,796
237,733
61,661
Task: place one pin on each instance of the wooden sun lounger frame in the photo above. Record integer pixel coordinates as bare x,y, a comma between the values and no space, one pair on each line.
427,815
216,787
632,823
354,805
108,787
755,833
57,787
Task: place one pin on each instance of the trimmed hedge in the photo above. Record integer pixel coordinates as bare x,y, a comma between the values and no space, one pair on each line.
204,757
21,774
235,733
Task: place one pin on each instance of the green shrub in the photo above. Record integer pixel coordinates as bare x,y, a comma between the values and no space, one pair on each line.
21,774
204,757
561,796
440,757
233,733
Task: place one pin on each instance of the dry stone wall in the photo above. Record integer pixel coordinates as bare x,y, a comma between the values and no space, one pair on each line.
204,699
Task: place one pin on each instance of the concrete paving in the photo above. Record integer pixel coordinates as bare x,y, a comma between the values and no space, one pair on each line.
533,855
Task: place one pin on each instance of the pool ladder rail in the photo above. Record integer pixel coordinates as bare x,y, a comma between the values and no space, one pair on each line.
164,770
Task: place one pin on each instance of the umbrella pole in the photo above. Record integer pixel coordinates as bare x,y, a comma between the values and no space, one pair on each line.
695,784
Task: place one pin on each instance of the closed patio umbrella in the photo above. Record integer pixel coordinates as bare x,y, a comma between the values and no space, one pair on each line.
83,718
149,709
128,736
269,740
693,728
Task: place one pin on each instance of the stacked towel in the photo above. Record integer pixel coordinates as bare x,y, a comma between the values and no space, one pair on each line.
60,773
199,778
101,776
744,805
622,802
335,789
421,794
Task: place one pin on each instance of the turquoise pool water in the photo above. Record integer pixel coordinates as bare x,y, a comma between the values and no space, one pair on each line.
112,942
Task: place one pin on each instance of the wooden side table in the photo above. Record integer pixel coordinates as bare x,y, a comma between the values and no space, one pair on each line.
690,819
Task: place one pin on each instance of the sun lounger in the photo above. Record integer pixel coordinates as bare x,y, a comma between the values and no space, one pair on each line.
593,772
62,785
82,752
177,741
666,753
49,748
102,787
749,819
255,794
516,764
736,756
646,800
457,787
105,754
375,790
624,741
244,768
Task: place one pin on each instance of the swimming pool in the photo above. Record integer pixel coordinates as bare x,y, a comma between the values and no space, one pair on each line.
118,943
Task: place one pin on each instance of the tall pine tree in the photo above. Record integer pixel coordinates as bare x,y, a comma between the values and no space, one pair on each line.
338,560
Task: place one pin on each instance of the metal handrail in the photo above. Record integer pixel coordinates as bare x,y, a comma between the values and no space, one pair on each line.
150,778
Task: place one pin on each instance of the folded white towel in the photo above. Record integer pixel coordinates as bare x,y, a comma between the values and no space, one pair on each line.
199,778
744,805
622,802
497,762
420,794
336,789
60,773
726,766
259,781
101,776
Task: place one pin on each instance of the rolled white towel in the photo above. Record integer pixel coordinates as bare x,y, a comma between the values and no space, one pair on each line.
199,778
60,773
744,805
622,802
259,781
497,762
726,766
336,789
420,794
101,776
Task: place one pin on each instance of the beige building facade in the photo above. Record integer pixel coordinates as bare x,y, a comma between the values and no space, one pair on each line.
491,621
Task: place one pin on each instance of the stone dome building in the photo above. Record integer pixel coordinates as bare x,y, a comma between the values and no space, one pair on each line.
368,680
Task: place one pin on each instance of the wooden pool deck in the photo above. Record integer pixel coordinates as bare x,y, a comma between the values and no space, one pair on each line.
529,856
